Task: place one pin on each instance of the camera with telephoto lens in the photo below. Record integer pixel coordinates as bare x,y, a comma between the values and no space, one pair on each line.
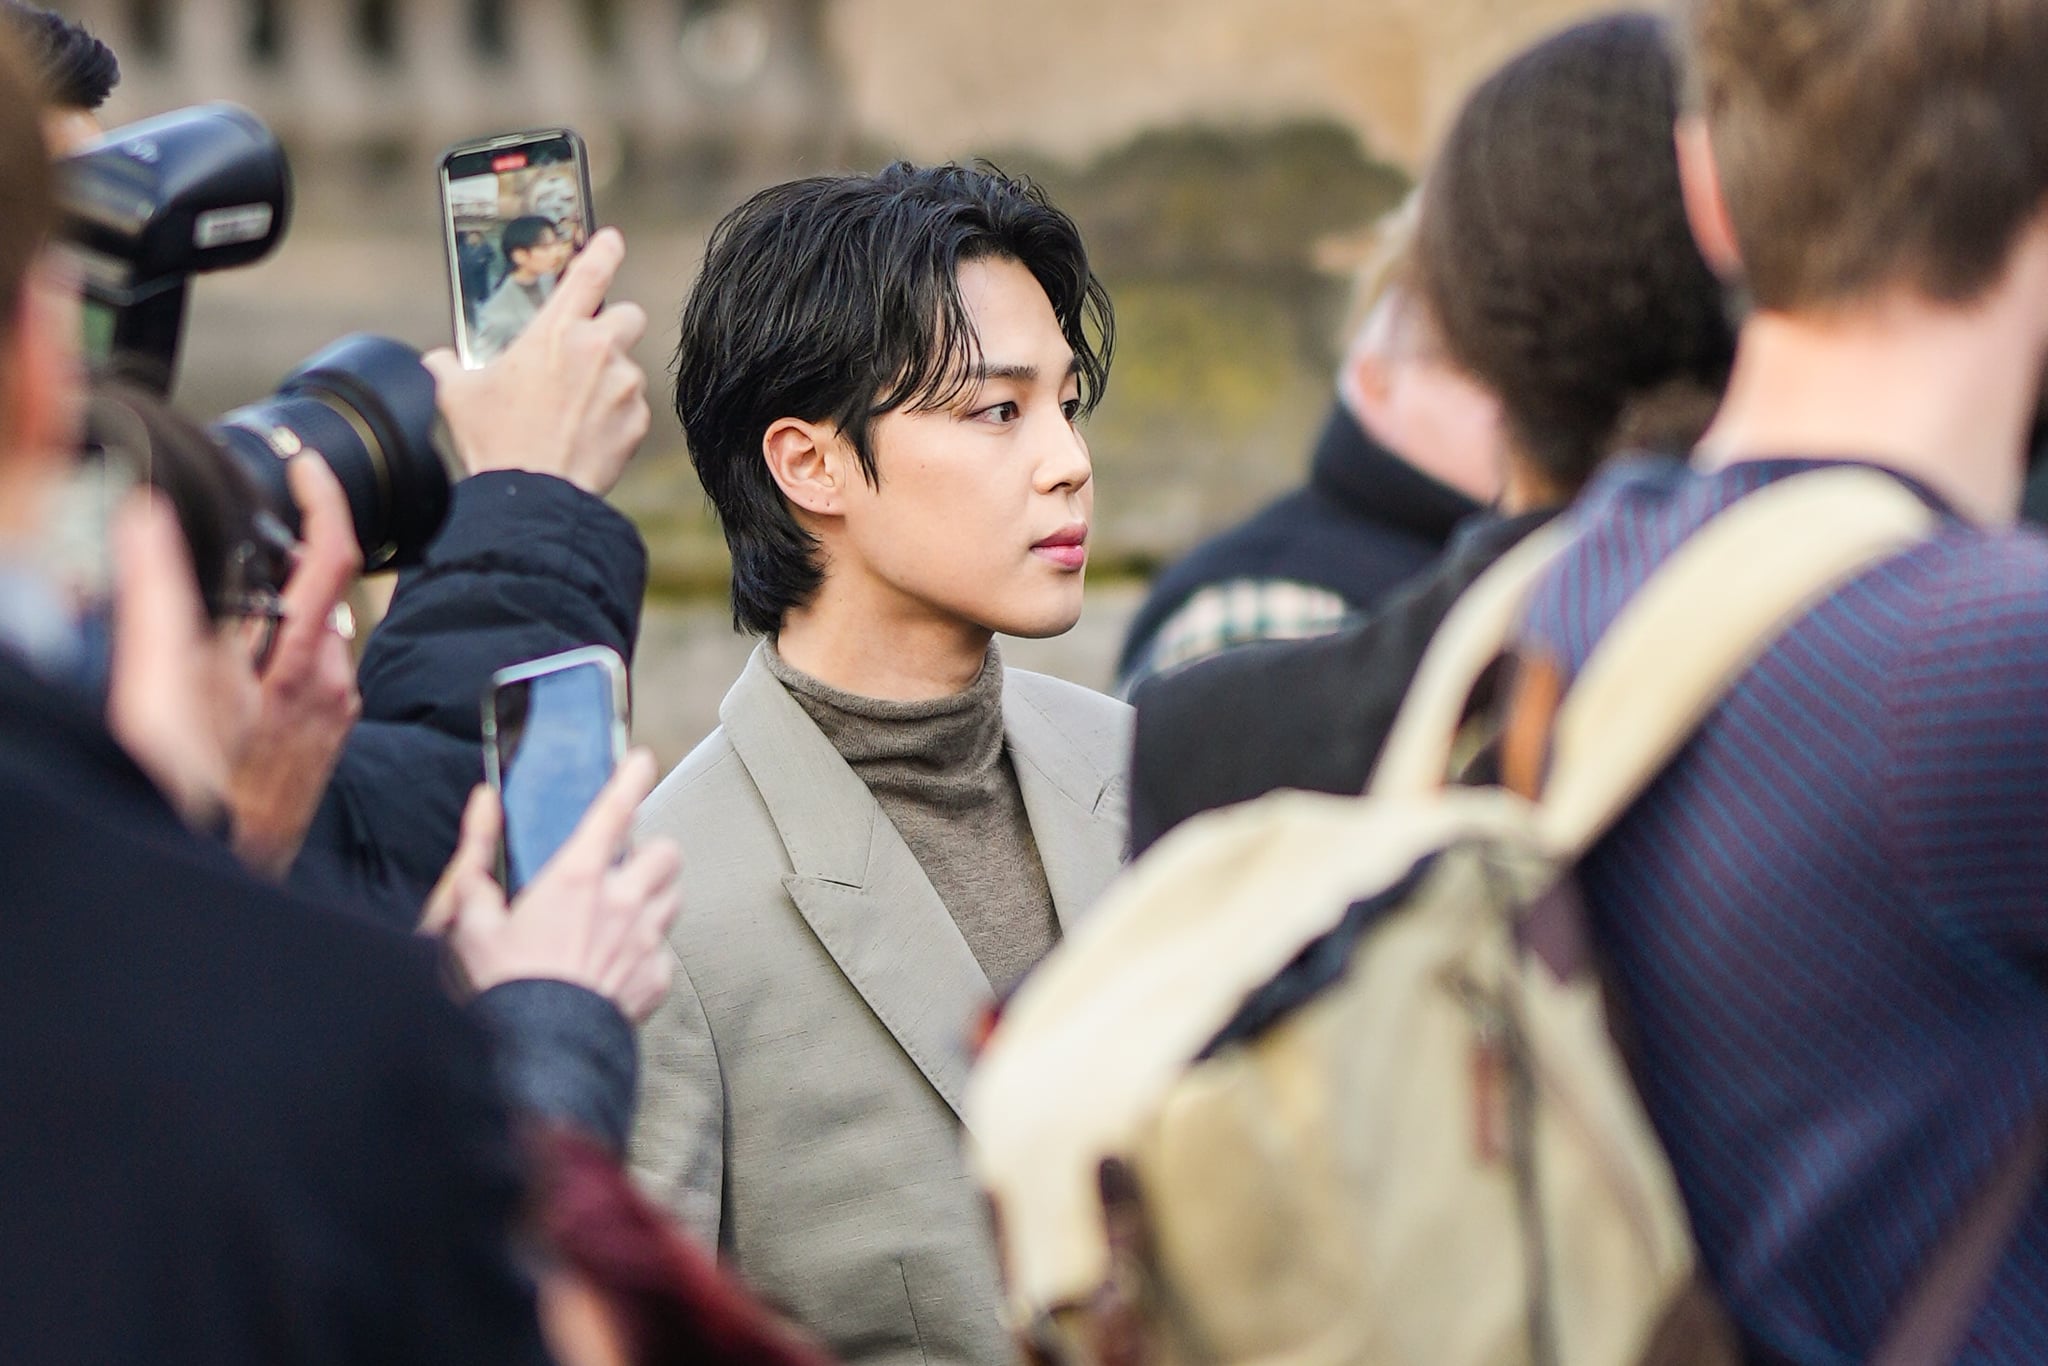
208,188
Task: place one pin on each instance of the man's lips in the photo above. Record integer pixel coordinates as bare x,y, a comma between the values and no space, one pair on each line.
1067,547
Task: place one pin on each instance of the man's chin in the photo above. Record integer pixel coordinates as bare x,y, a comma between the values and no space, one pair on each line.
1040,626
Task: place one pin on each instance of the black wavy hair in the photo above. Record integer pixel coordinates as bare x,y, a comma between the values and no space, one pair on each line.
78,71
1554,251
836,299
523,234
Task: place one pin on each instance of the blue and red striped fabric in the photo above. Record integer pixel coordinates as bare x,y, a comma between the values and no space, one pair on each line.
1829,918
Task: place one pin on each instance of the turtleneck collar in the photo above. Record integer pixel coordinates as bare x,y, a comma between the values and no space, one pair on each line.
944,751
1359,472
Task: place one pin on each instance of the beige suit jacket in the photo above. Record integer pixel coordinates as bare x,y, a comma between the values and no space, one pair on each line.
801,1087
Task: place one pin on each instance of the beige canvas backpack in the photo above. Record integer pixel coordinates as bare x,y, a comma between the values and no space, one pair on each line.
1305,1090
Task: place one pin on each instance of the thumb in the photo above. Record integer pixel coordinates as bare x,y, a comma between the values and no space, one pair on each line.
157,611
589,276
480,917
476,852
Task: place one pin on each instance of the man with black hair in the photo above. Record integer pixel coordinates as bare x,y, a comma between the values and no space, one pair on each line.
78,72
881,379
535,253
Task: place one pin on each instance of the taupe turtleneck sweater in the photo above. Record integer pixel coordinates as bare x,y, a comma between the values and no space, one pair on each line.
942,775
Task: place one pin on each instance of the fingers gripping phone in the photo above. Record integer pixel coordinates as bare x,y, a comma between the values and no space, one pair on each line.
554,730
514,209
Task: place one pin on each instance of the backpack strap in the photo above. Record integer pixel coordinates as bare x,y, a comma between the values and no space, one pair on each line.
1670,653
1703,618
1479,629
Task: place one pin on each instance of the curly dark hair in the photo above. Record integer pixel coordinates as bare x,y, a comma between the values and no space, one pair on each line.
1555,254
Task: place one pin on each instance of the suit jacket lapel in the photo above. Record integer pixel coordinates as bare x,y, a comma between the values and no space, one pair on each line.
857,884
1070,797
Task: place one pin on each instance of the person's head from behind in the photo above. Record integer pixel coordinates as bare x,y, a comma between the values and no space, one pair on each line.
1401,386
77,70
532,248
239,554
881,379
1556,255
1838,150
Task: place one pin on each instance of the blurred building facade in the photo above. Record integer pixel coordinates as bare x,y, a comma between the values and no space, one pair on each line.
774,79
725,88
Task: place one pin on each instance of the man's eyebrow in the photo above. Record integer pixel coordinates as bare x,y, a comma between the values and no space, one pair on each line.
1022,374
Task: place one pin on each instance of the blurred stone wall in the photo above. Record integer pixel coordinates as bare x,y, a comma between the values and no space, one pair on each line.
1076,77
1222,156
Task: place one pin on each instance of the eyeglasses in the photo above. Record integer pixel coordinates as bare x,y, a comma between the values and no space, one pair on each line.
252,594
264,611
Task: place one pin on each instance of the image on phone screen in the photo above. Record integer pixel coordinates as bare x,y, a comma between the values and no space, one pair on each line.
517,209
555,742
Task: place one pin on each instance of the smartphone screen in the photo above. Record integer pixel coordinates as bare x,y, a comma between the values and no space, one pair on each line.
553,732
514,210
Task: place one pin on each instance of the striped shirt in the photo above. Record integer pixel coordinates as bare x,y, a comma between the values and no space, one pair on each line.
1828,919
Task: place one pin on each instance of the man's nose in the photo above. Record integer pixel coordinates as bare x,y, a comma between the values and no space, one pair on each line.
1063,460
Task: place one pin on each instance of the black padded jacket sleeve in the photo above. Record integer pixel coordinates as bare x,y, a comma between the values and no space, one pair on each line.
525,566
1310,715
563,1054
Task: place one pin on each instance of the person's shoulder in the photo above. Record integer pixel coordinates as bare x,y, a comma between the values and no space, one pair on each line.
1972,588
701,785
212,960
500,297
1244,683
1232,727
1081,711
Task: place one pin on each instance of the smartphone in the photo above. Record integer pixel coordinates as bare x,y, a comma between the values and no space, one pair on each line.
514,209
554,730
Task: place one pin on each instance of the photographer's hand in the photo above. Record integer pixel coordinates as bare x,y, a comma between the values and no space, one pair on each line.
309,699
567,398
162,679
588,918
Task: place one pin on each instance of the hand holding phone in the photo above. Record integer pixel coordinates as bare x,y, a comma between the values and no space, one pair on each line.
514,209
554,730
589,919
568,399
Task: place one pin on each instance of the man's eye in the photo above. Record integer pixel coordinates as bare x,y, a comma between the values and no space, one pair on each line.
1000,413
1072,408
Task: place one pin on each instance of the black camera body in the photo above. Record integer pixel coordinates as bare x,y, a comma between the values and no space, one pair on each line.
209,188
157,202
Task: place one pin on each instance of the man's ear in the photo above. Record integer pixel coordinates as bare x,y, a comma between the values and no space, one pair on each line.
809,464
42,397
1706,210
42,391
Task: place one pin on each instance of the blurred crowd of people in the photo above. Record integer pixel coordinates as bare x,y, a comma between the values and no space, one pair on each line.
292,1079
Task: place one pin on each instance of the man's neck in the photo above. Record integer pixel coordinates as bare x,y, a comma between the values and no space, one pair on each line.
891,657
1942,393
